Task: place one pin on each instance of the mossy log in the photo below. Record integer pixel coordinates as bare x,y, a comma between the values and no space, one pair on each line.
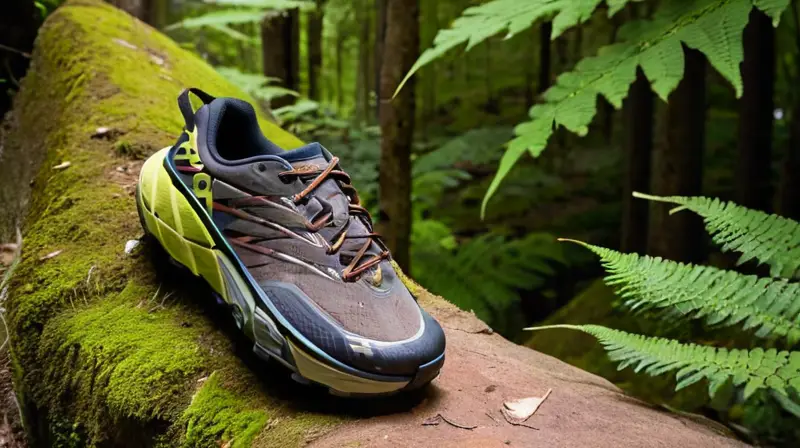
111,349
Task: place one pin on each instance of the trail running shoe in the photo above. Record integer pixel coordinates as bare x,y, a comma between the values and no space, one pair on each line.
281,238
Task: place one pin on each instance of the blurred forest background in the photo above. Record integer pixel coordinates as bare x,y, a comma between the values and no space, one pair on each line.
320,67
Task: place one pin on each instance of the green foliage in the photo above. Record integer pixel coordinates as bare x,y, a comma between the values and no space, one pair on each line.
719,296
265,4
238,12
221,18
755,369
484,274
772,306
473,148
255,84
770,239
479,23
713,27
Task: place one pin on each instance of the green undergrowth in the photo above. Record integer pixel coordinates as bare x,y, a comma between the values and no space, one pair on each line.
101,354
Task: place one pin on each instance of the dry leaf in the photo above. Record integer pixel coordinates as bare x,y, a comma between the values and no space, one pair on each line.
51,255
125,44
523,408
61,166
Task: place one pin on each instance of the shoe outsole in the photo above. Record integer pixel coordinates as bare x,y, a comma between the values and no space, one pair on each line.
268,341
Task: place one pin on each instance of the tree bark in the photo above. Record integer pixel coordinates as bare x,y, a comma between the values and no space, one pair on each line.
137,8
363,74
678,166
380,36
397,126
315,24
158,13
339,49
638,110
135,354
754,162
789,190
280,47
545,30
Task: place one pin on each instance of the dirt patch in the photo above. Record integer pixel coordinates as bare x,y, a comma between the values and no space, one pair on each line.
483,371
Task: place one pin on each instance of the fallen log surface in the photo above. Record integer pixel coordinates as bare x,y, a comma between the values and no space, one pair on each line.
117,349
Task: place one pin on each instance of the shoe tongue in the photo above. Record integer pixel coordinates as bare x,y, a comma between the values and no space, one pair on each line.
309,157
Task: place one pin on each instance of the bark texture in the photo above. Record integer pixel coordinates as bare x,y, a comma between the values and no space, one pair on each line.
678,166
112,349
789,190
380,36
401,46
315,21
754,162
280,48
638,109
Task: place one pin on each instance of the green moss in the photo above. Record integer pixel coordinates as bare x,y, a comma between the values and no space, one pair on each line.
96,360
216,414
303,429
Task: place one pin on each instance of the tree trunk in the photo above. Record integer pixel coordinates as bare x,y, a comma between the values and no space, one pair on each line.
280,47
19,22
545,30
638,109
678,166
380,36
789,191
135,354
158,13
754,162
363,73
315,24
137,8
339,71
397,126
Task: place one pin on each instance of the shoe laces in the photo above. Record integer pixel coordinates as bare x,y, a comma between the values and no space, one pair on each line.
315,177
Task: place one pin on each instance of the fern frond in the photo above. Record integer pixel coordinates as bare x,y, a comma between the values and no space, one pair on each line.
772,8
481,22
721,297
222,18
265,4
714,27
755,369
770,239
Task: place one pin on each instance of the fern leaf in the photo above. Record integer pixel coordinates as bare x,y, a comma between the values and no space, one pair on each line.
772,8
220,18
720,297
266,4
235,34
755,369
481,22
770,239
713,27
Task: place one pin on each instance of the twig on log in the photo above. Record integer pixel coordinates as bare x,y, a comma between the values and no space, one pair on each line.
436,419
